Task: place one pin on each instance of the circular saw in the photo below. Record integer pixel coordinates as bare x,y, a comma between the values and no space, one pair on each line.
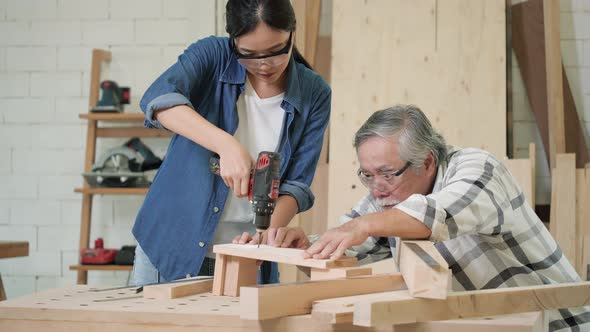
123,166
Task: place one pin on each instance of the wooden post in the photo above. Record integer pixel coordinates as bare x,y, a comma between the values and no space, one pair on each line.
554,79
424,280
562,222
233,272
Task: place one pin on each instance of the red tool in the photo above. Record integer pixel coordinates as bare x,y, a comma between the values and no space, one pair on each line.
98,254
263,190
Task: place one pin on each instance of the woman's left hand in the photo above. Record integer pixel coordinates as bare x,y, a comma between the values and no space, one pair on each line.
284,237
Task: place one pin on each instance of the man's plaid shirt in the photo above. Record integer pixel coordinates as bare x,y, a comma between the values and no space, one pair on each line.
483,227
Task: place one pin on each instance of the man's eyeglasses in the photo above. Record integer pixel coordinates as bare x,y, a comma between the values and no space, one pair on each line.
368,180
272,59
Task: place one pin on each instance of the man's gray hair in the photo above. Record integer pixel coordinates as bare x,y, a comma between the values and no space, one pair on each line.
415,135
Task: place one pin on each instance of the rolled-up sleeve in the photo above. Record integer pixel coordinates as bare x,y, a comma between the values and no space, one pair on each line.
176,85
301,192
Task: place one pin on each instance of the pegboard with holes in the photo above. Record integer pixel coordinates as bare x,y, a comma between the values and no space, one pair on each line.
84,308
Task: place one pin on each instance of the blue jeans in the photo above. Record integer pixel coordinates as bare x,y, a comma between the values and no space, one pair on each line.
144,272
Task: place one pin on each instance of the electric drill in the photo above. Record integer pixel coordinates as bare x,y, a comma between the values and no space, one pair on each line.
263,189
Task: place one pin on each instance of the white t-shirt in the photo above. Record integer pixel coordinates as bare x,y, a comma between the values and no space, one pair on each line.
259,129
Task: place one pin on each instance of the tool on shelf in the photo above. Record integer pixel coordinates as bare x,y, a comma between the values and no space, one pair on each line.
112,98
98,255
123,166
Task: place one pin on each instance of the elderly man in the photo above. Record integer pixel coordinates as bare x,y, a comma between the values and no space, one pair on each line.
464,200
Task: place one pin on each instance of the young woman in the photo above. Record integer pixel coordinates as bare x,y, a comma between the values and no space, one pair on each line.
230,98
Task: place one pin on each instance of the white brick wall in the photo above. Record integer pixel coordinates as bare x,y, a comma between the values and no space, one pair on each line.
45,53
575,48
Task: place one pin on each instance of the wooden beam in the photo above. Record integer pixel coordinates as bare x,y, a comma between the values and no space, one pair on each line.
280,255
528,43
400,307
273,301
426,280
345,272
341,311
239,272
98,57
219,277
177,290
14,249
582,221
554,79
563,205
131,131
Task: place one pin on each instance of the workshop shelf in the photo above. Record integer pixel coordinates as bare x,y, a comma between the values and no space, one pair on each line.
112,191
95,131
101,267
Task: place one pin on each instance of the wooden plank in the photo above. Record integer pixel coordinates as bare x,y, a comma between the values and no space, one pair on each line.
219,276
523,174
447,59
563,204
280,255
400,307
346,272
14,249
131,132
177,290
554,79
111,191
101,267
98,57
113,117
2,292
341,311
272,301
528,43
424,280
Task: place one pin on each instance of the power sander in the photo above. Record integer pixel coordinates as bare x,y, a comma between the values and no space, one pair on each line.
112,99
263,190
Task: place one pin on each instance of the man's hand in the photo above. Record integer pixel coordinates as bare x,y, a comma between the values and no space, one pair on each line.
284,237
334,242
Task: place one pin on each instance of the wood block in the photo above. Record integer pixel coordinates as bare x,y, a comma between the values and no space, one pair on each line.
280,255
522,171
345,272
563,205
239,272
14,249
399,307
219,275
177,290
273,301
424,280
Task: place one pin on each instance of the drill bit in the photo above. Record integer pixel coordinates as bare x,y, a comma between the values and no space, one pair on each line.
259,238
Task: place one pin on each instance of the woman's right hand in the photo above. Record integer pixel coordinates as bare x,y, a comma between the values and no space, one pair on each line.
235,165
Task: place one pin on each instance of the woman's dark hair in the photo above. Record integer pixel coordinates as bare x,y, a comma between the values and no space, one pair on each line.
242,16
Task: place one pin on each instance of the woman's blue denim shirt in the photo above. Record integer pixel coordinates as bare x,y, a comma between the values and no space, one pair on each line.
182,208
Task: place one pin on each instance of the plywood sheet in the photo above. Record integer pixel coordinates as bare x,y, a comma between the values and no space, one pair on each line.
447,58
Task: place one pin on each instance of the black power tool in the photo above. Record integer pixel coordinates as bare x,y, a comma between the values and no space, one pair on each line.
263,189
112,98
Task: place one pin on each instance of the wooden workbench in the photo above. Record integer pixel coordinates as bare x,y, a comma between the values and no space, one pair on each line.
75,309
9,249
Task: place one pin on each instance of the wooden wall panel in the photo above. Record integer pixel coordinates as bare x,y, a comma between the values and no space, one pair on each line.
447,57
